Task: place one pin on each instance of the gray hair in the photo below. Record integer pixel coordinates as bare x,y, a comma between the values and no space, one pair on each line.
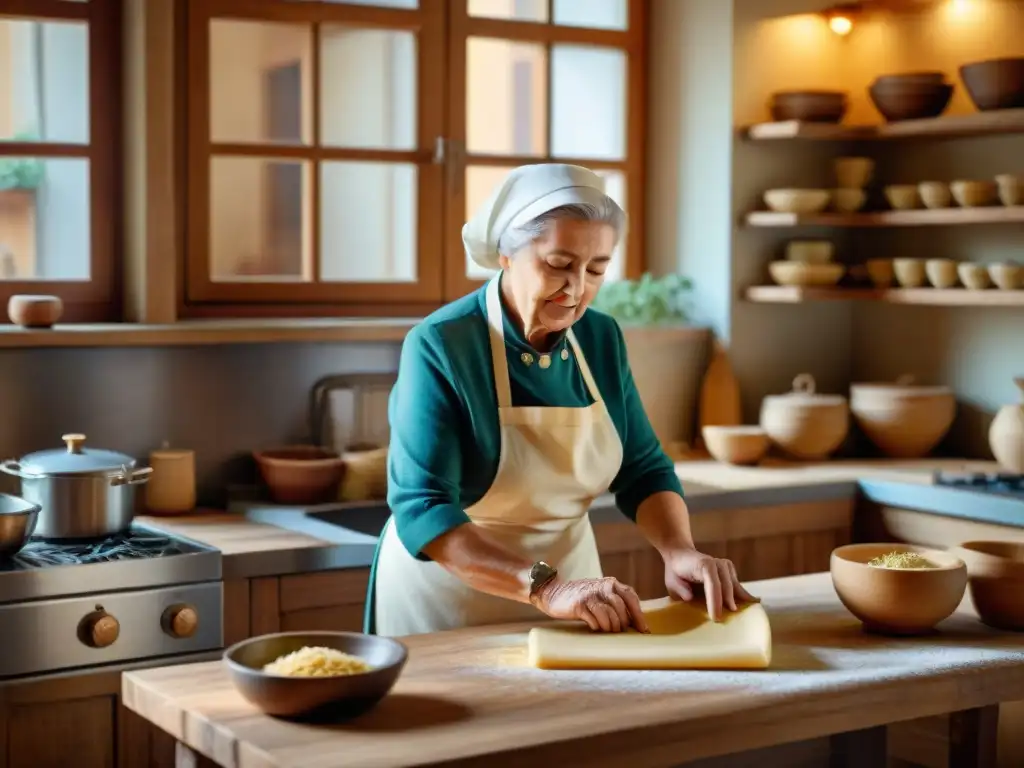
606,212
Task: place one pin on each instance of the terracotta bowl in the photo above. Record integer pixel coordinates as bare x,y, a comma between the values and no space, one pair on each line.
995,580
995,84
736,445
910,101
301,474
897,601
30,311
309,696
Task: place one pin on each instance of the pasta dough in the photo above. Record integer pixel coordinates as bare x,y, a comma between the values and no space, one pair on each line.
682,637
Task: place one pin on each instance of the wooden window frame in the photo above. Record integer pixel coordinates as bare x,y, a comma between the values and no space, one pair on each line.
632,41
295,298
444,27
95,299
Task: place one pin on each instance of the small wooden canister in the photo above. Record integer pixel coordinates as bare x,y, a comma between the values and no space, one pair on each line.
171,489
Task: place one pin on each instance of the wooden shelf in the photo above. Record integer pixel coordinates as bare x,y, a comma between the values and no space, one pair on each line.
977,124
916,218
925,297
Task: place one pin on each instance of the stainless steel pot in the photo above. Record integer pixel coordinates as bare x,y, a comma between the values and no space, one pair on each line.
83,493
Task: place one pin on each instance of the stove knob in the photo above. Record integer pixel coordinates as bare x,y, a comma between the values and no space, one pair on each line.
180,621
99,629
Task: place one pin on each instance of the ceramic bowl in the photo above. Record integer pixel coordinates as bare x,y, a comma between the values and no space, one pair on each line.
995,84
1011,189
1007,277
974,194
847,200
307,696
854,172
809,106
935,194
30,311
910,100
910,273
903,197
941,272
798,201
995,581
806,275
974,276
880,272
810,251
301,474
742,445
897,601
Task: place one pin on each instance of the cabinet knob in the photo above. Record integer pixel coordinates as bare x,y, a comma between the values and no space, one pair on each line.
180,621
99,629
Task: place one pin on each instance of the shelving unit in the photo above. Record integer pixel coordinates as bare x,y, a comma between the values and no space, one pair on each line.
923,297
977,124
916,218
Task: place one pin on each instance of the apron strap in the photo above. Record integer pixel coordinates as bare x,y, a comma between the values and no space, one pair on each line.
496,328
581,361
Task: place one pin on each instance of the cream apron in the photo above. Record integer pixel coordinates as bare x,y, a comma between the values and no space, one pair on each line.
554,462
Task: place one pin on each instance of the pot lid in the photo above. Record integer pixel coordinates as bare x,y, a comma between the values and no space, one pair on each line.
74,459
804,394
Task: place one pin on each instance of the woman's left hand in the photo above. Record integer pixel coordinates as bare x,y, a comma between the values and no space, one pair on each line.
686,570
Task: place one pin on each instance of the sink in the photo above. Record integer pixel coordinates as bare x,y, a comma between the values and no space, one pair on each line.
342,523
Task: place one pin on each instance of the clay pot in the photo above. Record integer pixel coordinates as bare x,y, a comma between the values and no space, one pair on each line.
995,580
804,424
903,420
897,601
1006,435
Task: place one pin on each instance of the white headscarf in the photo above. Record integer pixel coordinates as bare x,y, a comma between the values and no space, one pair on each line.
526,193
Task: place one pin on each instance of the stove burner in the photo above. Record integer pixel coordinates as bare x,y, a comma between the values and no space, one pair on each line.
134,545
998,482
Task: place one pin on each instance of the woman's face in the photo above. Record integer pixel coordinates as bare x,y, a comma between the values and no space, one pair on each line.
553,280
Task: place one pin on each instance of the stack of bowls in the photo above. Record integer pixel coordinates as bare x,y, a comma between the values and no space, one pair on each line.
808,263
911,96
853,174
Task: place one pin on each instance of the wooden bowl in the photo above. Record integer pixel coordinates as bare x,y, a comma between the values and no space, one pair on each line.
903,420
301,474
897,601
743,445
995,580
308,696
31,311
797,200
808,106
995,84
910,101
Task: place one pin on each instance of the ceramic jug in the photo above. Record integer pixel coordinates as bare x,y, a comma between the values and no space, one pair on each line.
1006,435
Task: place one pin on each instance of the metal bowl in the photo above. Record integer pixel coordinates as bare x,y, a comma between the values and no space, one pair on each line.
343,695
17,522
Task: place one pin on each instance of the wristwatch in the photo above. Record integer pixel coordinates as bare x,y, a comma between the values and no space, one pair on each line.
540,574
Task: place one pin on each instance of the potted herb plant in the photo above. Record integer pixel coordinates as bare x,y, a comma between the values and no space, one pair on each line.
667,354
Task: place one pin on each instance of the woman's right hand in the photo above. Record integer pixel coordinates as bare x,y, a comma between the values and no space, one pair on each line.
604,605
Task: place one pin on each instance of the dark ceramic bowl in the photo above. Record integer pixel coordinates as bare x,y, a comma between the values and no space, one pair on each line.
343,695
808,106
910,101
17,522
912,78
995,84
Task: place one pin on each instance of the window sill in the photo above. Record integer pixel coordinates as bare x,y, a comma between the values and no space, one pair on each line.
199,332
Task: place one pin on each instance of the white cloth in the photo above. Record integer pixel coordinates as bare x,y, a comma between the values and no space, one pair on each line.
554,462
526,193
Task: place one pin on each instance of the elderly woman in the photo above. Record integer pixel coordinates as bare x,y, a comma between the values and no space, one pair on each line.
514,409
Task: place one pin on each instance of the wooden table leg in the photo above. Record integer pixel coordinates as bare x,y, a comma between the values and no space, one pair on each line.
186,757
972,737
859,749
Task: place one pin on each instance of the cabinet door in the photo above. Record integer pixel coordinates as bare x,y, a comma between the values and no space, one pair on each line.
59,734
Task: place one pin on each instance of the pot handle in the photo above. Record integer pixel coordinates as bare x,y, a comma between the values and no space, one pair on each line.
131,476
12,467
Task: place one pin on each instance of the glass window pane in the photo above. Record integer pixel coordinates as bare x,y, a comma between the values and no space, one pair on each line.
44,81
513,10
259,220
588,102
367,87
44,218
596,14
260,82
615,188
481,180
368,222
506,97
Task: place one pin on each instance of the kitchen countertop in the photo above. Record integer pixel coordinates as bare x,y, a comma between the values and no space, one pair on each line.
483,705
253,546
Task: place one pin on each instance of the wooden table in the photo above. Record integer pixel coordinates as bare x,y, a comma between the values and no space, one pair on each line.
468,698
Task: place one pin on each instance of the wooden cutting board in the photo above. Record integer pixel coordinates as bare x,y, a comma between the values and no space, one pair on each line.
719,393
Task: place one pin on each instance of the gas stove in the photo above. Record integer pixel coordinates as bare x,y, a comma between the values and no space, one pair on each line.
95,604
999,483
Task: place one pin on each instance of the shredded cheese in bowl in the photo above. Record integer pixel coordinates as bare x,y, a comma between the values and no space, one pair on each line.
316,661
901,560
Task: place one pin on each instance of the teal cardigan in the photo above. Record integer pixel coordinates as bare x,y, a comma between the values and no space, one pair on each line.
443,412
